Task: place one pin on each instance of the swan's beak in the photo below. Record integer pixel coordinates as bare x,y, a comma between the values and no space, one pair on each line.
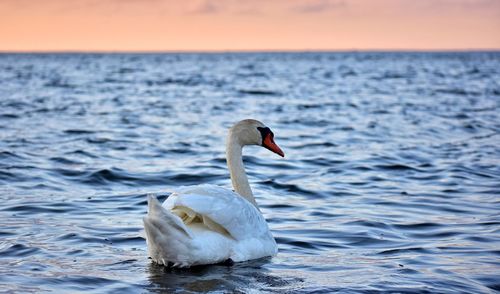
269,144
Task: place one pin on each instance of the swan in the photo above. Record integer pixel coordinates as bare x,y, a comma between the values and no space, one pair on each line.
208,224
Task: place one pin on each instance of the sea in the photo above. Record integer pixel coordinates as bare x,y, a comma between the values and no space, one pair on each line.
390,182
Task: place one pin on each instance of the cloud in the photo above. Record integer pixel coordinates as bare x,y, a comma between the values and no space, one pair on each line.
487,8
318,6
205,7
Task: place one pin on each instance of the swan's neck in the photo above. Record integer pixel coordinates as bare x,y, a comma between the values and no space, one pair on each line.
237,170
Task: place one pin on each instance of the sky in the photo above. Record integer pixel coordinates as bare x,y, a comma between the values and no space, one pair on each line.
251,25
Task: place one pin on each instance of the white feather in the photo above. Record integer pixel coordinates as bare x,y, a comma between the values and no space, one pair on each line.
207,224
171,240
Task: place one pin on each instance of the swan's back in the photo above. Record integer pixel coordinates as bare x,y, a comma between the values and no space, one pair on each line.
206,224
238,216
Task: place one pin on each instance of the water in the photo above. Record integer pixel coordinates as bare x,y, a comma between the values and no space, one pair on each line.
391,180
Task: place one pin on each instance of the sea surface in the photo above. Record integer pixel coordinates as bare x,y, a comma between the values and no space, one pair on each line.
391,180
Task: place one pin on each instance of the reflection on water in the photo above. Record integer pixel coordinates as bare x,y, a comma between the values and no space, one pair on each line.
390,181
231,278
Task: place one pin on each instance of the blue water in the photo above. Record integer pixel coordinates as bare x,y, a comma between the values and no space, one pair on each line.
390,183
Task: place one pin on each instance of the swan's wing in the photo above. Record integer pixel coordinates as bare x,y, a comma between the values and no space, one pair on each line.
224,207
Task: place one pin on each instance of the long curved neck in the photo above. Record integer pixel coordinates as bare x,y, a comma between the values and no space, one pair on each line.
237,169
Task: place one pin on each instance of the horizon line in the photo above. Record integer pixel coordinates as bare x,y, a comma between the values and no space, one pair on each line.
219,51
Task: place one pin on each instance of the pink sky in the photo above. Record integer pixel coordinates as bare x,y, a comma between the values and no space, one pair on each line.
197,25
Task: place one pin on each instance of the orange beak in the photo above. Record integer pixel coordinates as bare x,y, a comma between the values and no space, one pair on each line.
269,144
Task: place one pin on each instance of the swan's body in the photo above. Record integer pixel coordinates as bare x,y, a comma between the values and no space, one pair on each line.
230,227
208,224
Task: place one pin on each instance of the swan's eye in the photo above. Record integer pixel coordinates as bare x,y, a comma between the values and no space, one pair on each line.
264,132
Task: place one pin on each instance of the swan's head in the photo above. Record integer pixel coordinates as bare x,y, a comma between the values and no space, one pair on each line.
253,132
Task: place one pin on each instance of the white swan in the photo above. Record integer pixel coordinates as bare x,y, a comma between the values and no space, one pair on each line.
208,224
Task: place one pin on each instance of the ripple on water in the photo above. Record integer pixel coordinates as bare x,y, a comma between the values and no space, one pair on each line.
19,250
390,181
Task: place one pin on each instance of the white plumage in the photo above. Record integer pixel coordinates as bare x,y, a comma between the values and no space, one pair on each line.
207,224
244,235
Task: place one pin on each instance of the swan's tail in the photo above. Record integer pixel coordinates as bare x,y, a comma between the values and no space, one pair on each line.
167,236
